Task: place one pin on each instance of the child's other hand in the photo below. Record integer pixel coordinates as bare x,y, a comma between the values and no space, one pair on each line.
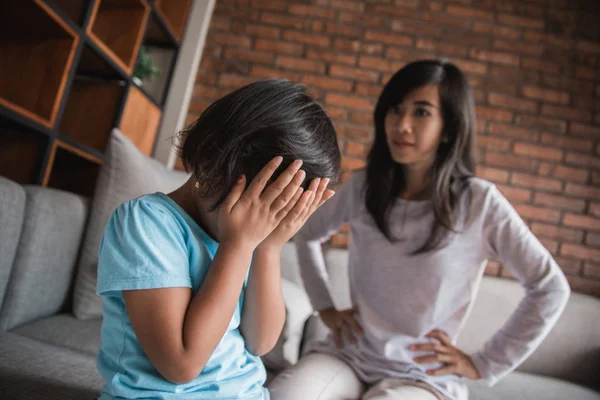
248,216
341,323
298,210
454,360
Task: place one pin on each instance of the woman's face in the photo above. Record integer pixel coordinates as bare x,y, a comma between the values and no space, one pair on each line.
414,127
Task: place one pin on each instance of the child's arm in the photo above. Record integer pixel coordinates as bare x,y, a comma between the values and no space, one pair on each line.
263,315
178,331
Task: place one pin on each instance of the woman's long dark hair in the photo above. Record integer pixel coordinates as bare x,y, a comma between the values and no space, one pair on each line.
243,131
454,162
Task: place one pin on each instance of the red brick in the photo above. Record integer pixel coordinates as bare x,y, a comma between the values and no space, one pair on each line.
542,123
323,55
494,57
262,31
337,114
468,12
392,11
354,133
299,64
513,103
561,202
356,46
550,245
283,20
219,23
584,285
593,239
311,11
364,89
584,130
234,81
540,65
551,96
587,73
389,38
591,270
495,30
493,174
248,55
357,149
515,195
545,169
353,163
206,77
489,142
557,232
414,27
441,19
368,20
570,174
582,221
470,67
353,102
268,5
566,113
197,107
537,213
230,39
522,22
307,38
343,30
584,253
342,4
510,161
549,39
529,49
504,130
278,47
591,47
441,47
585,191
494,114
354,73
327,83
567,142
208,92
594,209
584,160
566,83
570,266
546,153
376,63
535,182
265,72
339,240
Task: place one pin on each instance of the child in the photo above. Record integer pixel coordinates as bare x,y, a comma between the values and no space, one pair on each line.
184,315
421,228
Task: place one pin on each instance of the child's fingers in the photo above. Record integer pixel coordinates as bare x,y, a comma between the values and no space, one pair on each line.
235,193
262,178
281,214
298,208
285,198
319,194
285,179
305,212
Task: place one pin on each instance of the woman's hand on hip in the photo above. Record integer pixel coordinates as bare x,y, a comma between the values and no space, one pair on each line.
342,324
454,360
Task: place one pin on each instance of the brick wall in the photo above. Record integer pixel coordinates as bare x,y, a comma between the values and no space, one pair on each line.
534,66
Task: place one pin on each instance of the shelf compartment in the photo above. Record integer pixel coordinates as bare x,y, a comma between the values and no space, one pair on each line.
117,27
37,50
140,120
74,9
21,152
175,14
93,102
71,169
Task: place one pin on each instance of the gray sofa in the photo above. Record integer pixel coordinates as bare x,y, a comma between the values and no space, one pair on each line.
48,353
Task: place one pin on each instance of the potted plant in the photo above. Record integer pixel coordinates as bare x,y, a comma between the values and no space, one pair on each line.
144,68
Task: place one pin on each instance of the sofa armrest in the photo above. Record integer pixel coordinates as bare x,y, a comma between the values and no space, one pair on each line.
298,310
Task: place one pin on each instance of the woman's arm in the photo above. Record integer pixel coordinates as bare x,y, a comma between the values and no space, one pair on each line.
511,242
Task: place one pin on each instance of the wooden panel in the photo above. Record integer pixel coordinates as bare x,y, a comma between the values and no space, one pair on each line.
174,13
140,120
91,111
117,27
21,154
37,55
73,8
71,169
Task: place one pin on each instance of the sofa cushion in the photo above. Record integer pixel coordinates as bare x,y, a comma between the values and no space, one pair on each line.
524,386
46,256
125,175
298,310
66,331
32,370
12,209
570,352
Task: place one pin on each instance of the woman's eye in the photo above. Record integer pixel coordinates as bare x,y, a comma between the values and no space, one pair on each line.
396,109
421,112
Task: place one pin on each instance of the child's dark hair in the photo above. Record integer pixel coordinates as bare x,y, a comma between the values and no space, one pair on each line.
454,162
241,132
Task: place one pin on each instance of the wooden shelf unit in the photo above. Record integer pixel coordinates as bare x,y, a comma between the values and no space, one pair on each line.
67,83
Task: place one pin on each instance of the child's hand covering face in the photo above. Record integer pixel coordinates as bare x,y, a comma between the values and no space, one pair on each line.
275,213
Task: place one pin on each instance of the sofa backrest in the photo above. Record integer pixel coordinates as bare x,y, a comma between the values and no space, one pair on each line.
44,261
571,351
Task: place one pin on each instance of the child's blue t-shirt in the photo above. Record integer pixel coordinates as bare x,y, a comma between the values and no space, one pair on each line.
150,243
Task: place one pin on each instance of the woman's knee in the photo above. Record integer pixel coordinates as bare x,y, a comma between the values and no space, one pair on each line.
317,377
